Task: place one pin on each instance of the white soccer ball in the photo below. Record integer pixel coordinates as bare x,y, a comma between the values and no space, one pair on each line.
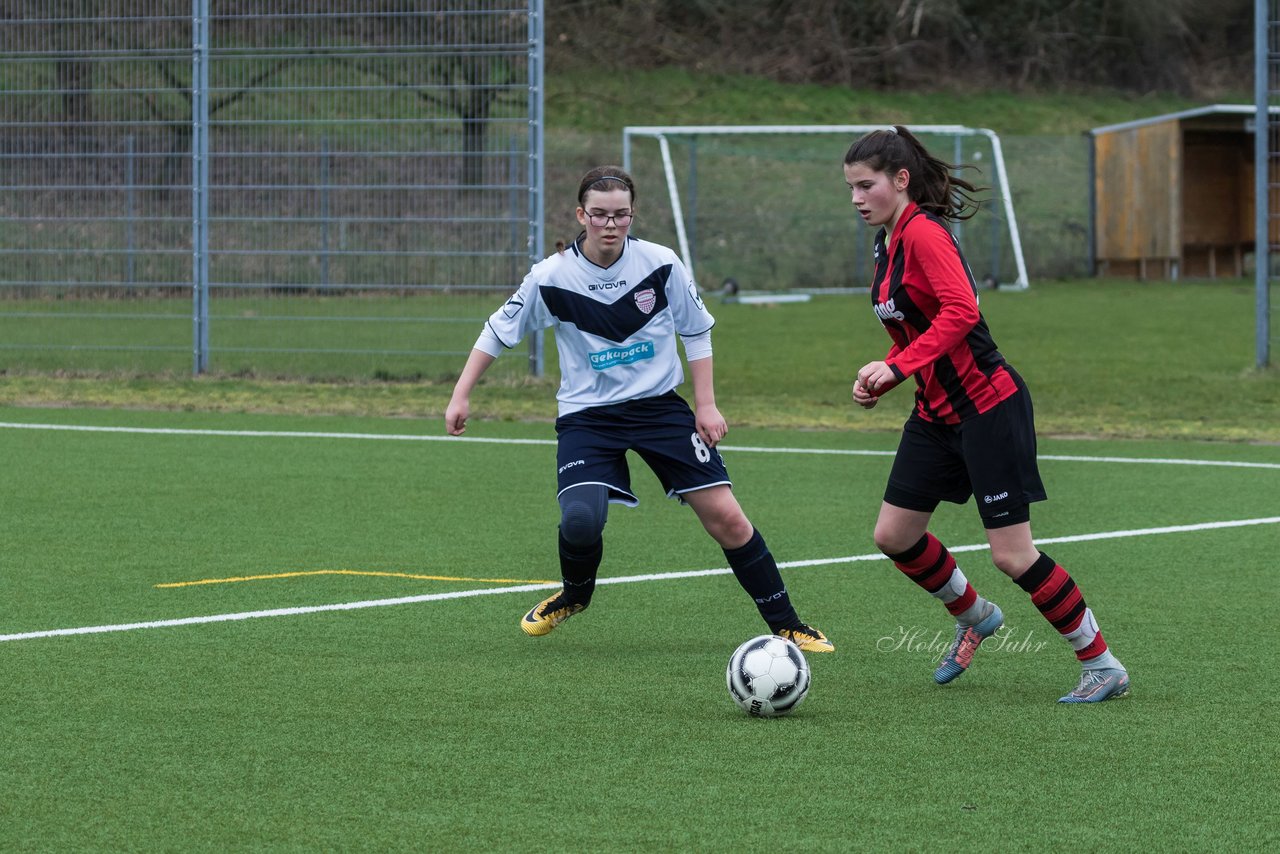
768,676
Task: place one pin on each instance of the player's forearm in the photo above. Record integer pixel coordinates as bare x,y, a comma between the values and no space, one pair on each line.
702,375
477,363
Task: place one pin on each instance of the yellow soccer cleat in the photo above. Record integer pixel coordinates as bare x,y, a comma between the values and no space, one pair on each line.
808,638
548,614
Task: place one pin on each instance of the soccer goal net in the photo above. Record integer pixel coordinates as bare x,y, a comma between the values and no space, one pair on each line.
764,208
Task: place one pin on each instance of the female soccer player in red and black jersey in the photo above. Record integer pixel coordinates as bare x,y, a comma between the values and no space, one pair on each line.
971,431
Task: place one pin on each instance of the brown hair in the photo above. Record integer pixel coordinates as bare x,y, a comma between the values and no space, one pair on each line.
601,178
932,185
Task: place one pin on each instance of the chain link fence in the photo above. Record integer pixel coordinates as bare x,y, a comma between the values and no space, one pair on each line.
339,188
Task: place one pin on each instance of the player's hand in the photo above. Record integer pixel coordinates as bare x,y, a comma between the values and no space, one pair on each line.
876,378
862,397
455,416
711,425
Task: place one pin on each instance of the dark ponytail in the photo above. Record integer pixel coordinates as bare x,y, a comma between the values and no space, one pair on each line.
932,185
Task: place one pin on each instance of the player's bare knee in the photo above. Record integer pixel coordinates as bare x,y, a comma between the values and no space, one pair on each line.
730,530
1013,563
891,542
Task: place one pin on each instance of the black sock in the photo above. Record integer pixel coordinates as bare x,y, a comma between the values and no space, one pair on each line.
578,570
756,570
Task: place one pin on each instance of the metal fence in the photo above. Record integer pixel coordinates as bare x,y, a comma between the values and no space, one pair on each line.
324,188
1266,166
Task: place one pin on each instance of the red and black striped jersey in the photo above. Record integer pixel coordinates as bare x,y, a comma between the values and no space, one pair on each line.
925,296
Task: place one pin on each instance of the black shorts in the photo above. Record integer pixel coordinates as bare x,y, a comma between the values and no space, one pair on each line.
991,456
593,443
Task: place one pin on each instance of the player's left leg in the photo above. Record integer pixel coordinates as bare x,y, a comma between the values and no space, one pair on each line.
1000,453
1056,595
591,471
584,509
753,565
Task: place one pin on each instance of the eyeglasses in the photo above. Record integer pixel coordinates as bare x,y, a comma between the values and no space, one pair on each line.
600,220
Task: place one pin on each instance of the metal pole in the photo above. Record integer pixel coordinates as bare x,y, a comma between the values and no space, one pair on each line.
1093,205
677,213
1262,180
997,152
513,203
693,197
131,215
537,165
200,184
324,212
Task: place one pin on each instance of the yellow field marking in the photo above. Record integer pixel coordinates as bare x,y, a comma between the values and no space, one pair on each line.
275,575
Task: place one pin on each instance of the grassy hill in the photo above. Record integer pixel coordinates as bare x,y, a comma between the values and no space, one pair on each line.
605,102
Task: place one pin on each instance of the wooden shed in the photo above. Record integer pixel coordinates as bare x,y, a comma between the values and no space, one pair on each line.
1172,196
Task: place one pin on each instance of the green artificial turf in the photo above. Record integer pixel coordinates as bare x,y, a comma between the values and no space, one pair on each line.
433,724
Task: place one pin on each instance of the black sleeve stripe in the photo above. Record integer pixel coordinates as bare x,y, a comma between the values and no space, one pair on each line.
703,332
499,337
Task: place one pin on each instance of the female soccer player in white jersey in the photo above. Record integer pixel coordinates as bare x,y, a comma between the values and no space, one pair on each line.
618,304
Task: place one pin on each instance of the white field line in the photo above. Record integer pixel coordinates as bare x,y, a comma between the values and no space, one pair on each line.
376,603
409,437
630,579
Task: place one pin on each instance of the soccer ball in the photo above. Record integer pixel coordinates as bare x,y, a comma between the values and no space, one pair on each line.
768,676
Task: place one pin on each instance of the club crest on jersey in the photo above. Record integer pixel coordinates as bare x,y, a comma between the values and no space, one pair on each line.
646,300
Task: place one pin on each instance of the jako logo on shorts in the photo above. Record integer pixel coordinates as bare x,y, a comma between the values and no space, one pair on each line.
606,359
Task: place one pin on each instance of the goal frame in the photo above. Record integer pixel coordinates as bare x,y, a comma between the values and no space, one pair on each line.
662,132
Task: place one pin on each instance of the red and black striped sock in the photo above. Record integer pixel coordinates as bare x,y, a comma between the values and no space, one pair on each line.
1055,593
929,564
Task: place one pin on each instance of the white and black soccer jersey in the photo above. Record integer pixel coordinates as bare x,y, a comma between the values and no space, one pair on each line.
615,328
